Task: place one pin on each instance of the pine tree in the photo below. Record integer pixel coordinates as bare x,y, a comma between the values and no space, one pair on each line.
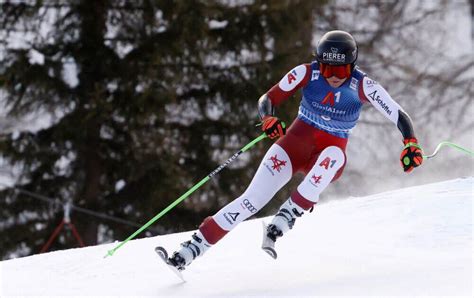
150,96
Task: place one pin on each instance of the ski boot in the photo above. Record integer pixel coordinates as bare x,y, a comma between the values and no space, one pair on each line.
189,251
283,221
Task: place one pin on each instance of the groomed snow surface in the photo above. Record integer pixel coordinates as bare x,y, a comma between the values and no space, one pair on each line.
413,241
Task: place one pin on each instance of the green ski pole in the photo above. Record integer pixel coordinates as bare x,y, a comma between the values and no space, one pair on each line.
185,195
445,143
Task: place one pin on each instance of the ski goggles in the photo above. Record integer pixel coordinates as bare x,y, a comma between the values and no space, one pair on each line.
339,71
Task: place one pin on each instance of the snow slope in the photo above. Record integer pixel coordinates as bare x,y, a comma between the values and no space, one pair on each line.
413,241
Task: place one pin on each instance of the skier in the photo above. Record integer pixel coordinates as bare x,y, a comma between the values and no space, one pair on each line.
334,90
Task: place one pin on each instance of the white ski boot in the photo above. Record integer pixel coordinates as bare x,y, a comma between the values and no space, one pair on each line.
189,251
283,221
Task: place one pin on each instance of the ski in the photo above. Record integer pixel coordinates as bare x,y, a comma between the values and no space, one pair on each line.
268,245
163,254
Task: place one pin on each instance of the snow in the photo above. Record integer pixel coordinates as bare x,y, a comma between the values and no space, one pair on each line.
119,185
215,24
412,241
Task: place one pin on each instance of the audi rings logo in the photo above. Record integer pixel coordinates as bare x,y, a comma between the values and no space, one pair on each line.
249,206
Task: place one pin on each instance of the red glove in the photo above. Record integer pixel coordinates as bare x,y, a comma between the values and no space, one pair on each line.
412,155
273,127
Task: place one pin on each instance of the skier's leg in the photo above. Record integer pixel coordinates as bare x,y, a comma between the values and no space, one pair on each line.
327,166
274,172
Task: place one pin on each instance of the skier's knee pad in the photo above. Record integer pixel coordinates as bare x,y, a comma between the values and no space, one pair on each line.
321,174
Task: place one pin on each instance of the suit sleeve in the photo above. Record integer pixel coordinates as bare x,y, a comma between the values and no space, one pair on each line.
383,102
295,79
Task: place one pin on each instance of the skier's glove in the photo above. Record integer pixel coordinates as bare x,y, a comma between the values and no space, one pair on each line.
273,127
412,155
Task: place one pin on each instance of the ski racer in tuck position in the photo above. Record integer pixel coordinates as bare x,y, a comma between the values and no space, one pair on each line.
334,90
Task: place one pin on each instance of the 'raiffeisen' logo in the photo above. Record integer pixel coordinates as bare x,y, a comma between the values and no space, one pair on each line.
277,164
375,97
315,180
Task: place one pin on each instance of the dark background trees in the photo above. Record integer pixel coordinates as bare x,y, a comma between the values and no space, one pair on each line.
121,106
147,97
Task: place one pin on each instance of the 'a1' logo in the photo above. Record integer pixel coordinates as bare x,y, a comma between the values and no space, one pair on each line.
292,76
331,98
327,163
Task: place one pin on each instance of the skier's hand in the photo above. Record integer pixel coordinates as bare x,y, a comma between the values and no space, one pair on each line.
412,155
273,127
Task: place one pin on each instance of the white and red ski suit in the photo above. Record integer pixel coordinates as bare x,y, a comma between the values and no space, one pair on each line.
315,142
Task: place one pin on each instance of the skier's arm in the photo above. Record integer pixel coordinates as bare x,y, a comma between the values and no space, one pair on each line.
288,85
374,93
295,79
265,106
383,102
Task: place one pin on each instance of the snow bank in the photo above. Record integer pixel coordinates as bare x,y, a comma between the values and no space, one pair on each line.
413,241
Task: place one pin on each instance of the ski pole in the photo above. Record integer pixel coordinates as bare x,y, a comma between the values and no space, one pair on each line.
186,194
445,143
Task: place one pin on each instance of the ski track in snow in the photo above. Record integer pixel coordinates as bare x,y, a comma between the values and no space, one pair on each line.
412,241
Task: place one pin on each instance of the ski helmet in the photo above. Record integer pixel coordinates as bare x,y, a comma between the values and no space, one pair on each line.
336,48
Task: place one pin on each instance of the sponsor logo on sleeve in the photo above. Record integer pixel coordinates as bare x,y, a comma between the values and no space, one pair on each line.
376,98
354,84
292,78
315,75
370,83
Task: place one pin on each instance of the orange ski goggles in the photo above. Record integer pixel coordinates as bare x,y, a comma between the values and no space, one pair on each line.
339,71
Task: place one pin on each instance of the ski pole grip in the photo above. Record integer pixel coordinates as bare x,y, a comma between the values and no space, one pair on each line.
411,144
